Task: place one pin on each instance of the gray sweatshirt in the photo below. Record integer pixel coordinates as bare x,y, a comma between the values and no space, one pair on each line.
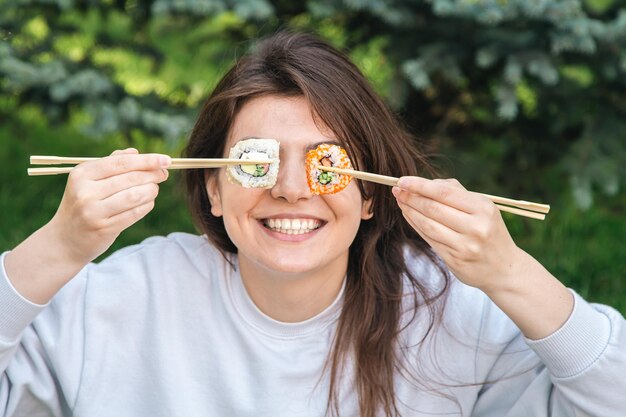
166,328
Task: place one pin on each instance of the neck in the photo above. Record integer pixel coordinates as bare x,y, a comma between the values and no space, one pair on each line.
292,297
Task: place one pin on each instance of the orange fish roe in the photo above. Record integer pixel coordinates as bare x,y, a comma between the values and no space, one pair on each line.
325,182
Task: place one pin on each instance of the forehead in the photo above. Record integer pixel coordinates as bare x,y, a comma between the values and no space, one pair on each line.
289,120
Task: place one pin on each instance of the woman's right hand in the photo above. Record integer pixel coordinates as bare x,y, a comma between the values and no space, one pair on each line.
102,198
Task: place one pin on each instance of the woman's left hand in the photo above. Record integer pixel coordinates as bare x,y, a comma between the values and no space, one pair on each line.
464,228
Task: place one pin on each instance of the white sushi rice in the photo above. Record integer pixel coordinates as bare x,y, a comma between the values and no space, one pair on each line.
254,149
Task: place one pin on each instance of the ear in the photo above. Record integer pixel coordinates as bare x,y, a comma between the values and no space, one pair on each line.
213,192
366,212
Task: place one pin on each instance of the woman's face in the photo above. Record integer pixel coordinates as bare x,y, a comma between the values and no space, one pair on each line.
260,222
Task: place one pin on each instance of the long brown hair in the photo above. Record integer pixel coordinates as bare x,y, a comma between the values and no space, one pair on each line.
297,64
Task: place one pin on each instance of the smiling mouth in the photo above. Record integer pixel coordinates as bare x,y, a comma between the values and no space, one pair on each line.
292,226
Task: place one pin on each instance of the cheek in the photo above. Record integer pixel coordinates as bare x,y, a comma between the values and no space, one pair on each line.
240,200
238,204
346,204
236,216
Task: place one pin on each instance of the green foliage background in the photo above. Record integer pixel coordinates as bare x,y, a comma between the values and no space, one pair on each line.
519,98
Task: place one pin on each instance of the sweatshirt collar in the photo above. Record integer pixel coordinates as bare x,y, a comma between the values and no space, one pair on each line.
263,323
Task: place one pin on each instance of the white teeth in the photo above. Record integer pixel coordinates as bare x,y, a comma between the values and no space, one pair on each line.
292,226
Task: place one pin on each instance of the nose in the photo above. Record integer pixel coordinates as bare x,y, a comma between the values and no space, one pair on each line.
291,184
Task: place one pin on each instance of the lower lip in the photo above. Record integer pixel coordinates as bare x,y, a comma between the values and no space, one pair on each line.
290,238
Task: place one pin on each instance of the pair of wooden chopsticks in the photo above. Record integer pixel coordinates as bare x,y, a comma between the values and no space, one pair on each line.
519,207
177,163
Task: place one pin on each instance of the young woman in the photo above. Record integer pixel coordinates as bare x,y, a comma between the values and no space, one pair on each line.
373,301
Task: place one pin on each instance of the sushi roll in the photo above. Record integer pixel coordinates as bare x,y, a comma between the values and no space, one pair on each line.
325,182
254,176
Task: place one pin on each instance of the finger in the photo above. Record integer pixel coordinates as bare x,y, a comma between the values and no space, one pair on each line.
440,190
129,217
437,235
453,218
432,242
454,182
441,249
122,163
125,151
127,200
113,185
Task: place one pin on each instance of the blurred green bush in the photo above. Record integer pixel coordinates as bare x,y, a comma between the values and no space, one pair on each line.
515,98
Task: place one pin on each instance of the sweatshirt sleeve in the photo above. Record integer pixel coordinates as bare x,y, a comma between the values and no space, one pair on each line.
579,370
41,349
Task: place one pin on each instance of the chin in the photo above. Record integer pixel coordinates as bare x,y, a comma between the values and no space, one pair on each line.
289,267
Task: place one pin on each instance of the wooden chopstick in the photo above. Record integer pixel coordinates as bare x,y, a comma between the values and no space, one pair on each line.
520,212
66,170
367,176
177,163
32,172
526,205
524,208
187,162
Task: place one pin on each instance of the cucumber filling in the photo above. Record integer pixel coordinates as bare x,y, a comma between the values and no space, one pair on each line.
255,170
325,177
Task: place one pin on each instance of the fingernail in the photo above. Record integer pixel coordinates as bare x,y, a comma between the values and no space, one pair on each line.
395,191
403,182
165,160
